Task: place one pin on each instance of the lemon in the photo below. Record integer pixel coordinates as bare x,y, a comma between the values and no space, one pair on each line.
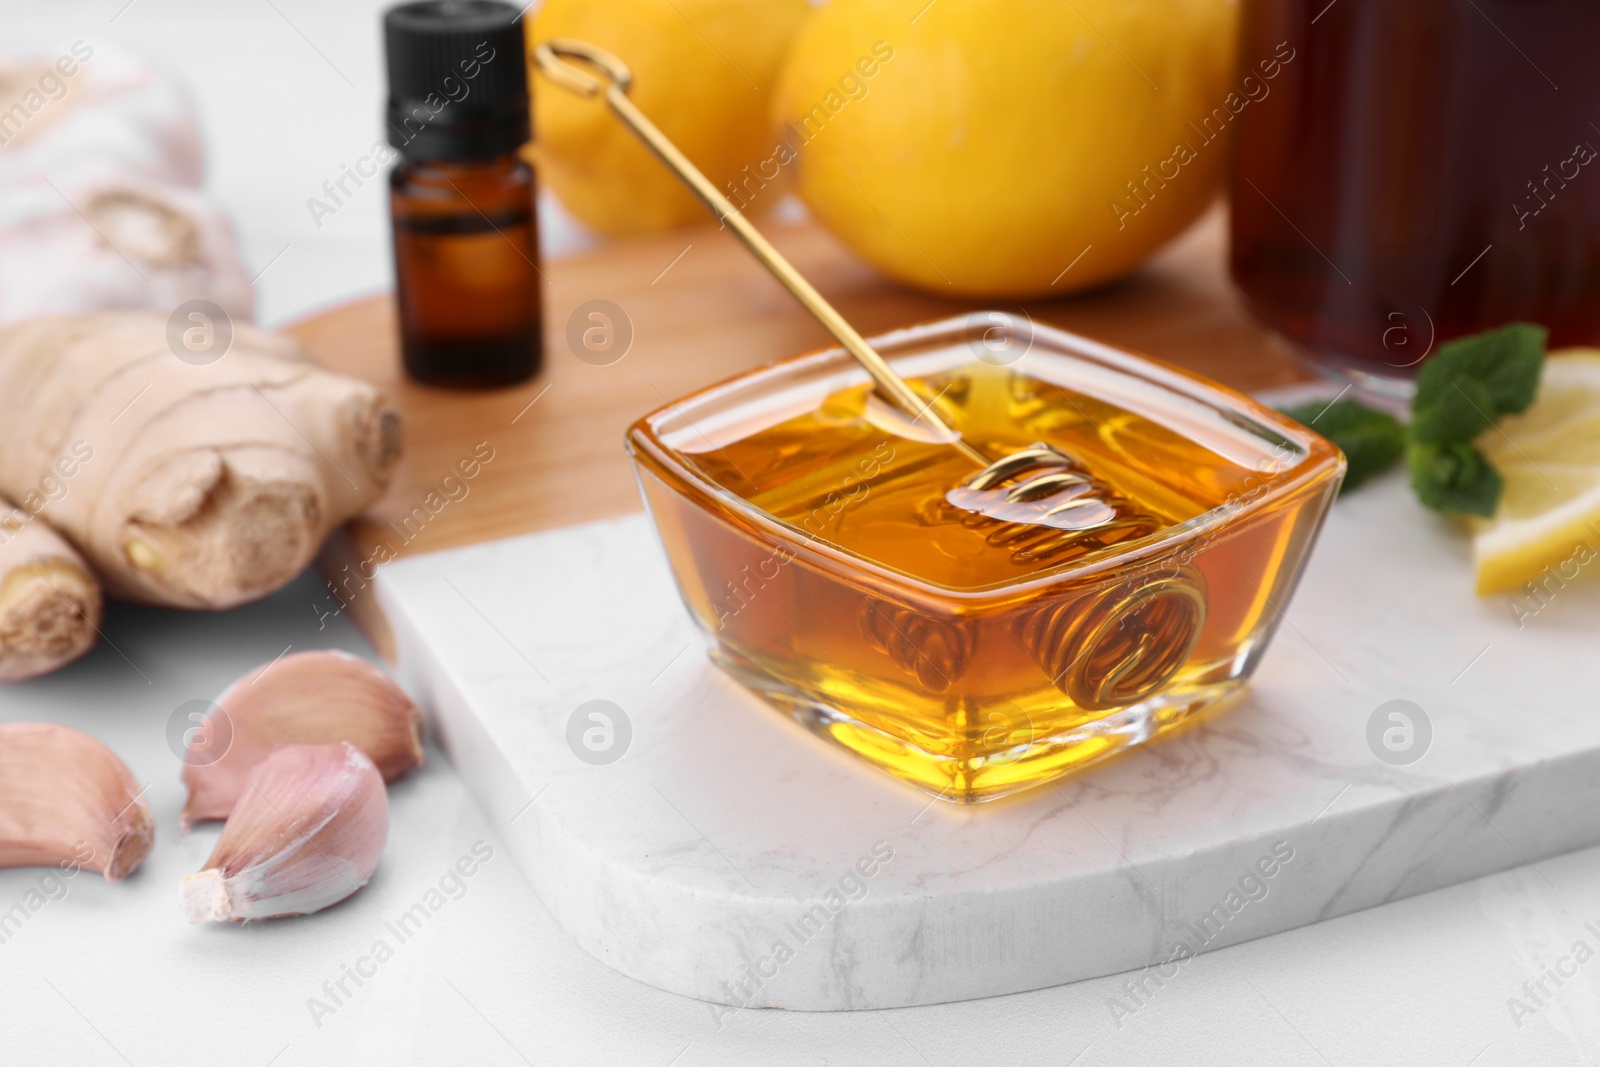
1012,147
704,71
1549,513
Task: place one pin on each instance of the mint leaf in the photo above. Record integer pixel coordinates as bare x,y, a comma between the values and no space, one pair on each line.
1371,440
1461,391
1463,409
1506,362
1454,477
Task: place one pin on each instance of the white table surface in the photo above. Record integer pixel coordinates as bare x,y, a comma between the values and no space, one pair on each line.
112,975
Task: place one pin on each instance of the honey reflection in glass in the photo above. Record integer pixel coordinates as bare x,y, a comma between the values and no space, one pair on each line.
814,540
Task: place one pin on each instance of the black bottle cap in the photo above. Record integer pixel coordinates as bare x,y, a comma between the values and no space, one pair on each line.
458,79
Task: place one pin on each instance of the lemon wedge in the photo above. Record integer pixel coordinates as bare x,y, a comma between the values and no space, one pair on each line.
1549,514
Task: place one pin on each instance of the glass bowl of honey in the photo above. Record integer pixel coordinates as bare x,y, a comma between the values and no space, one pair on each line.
842,563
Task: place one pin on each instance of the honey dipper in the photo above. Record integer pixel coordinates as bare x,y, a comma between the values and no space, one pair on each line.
1059,494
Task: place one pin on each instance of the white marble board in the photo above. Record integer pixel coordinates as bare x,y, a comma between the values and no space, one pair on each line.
693,861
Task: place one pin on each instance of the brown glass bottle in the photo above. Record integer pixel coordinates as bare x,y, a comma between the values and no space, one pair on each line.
466,242
466,249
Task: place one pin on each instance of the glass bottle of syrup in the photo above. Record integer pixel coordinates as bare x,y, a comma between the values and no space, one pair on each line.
1409,172
466,245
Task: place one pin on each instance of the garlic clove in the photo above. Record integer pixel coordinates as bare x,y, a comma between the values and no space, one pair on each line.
66,799
309,698
307,833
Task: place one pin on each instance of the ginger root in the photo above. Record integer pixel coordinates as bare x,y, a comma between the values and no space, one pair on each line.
201,480
50,605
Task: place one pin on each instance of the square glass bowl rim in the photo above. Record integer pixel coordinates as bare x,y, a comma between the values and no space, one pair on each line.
907,342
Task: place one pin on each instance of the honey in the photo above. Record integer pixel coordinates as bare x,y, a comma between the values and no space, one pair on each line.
834,554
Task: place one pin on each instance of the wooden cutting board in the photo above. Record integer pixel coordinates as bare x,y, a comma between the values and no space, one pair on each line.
701,309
